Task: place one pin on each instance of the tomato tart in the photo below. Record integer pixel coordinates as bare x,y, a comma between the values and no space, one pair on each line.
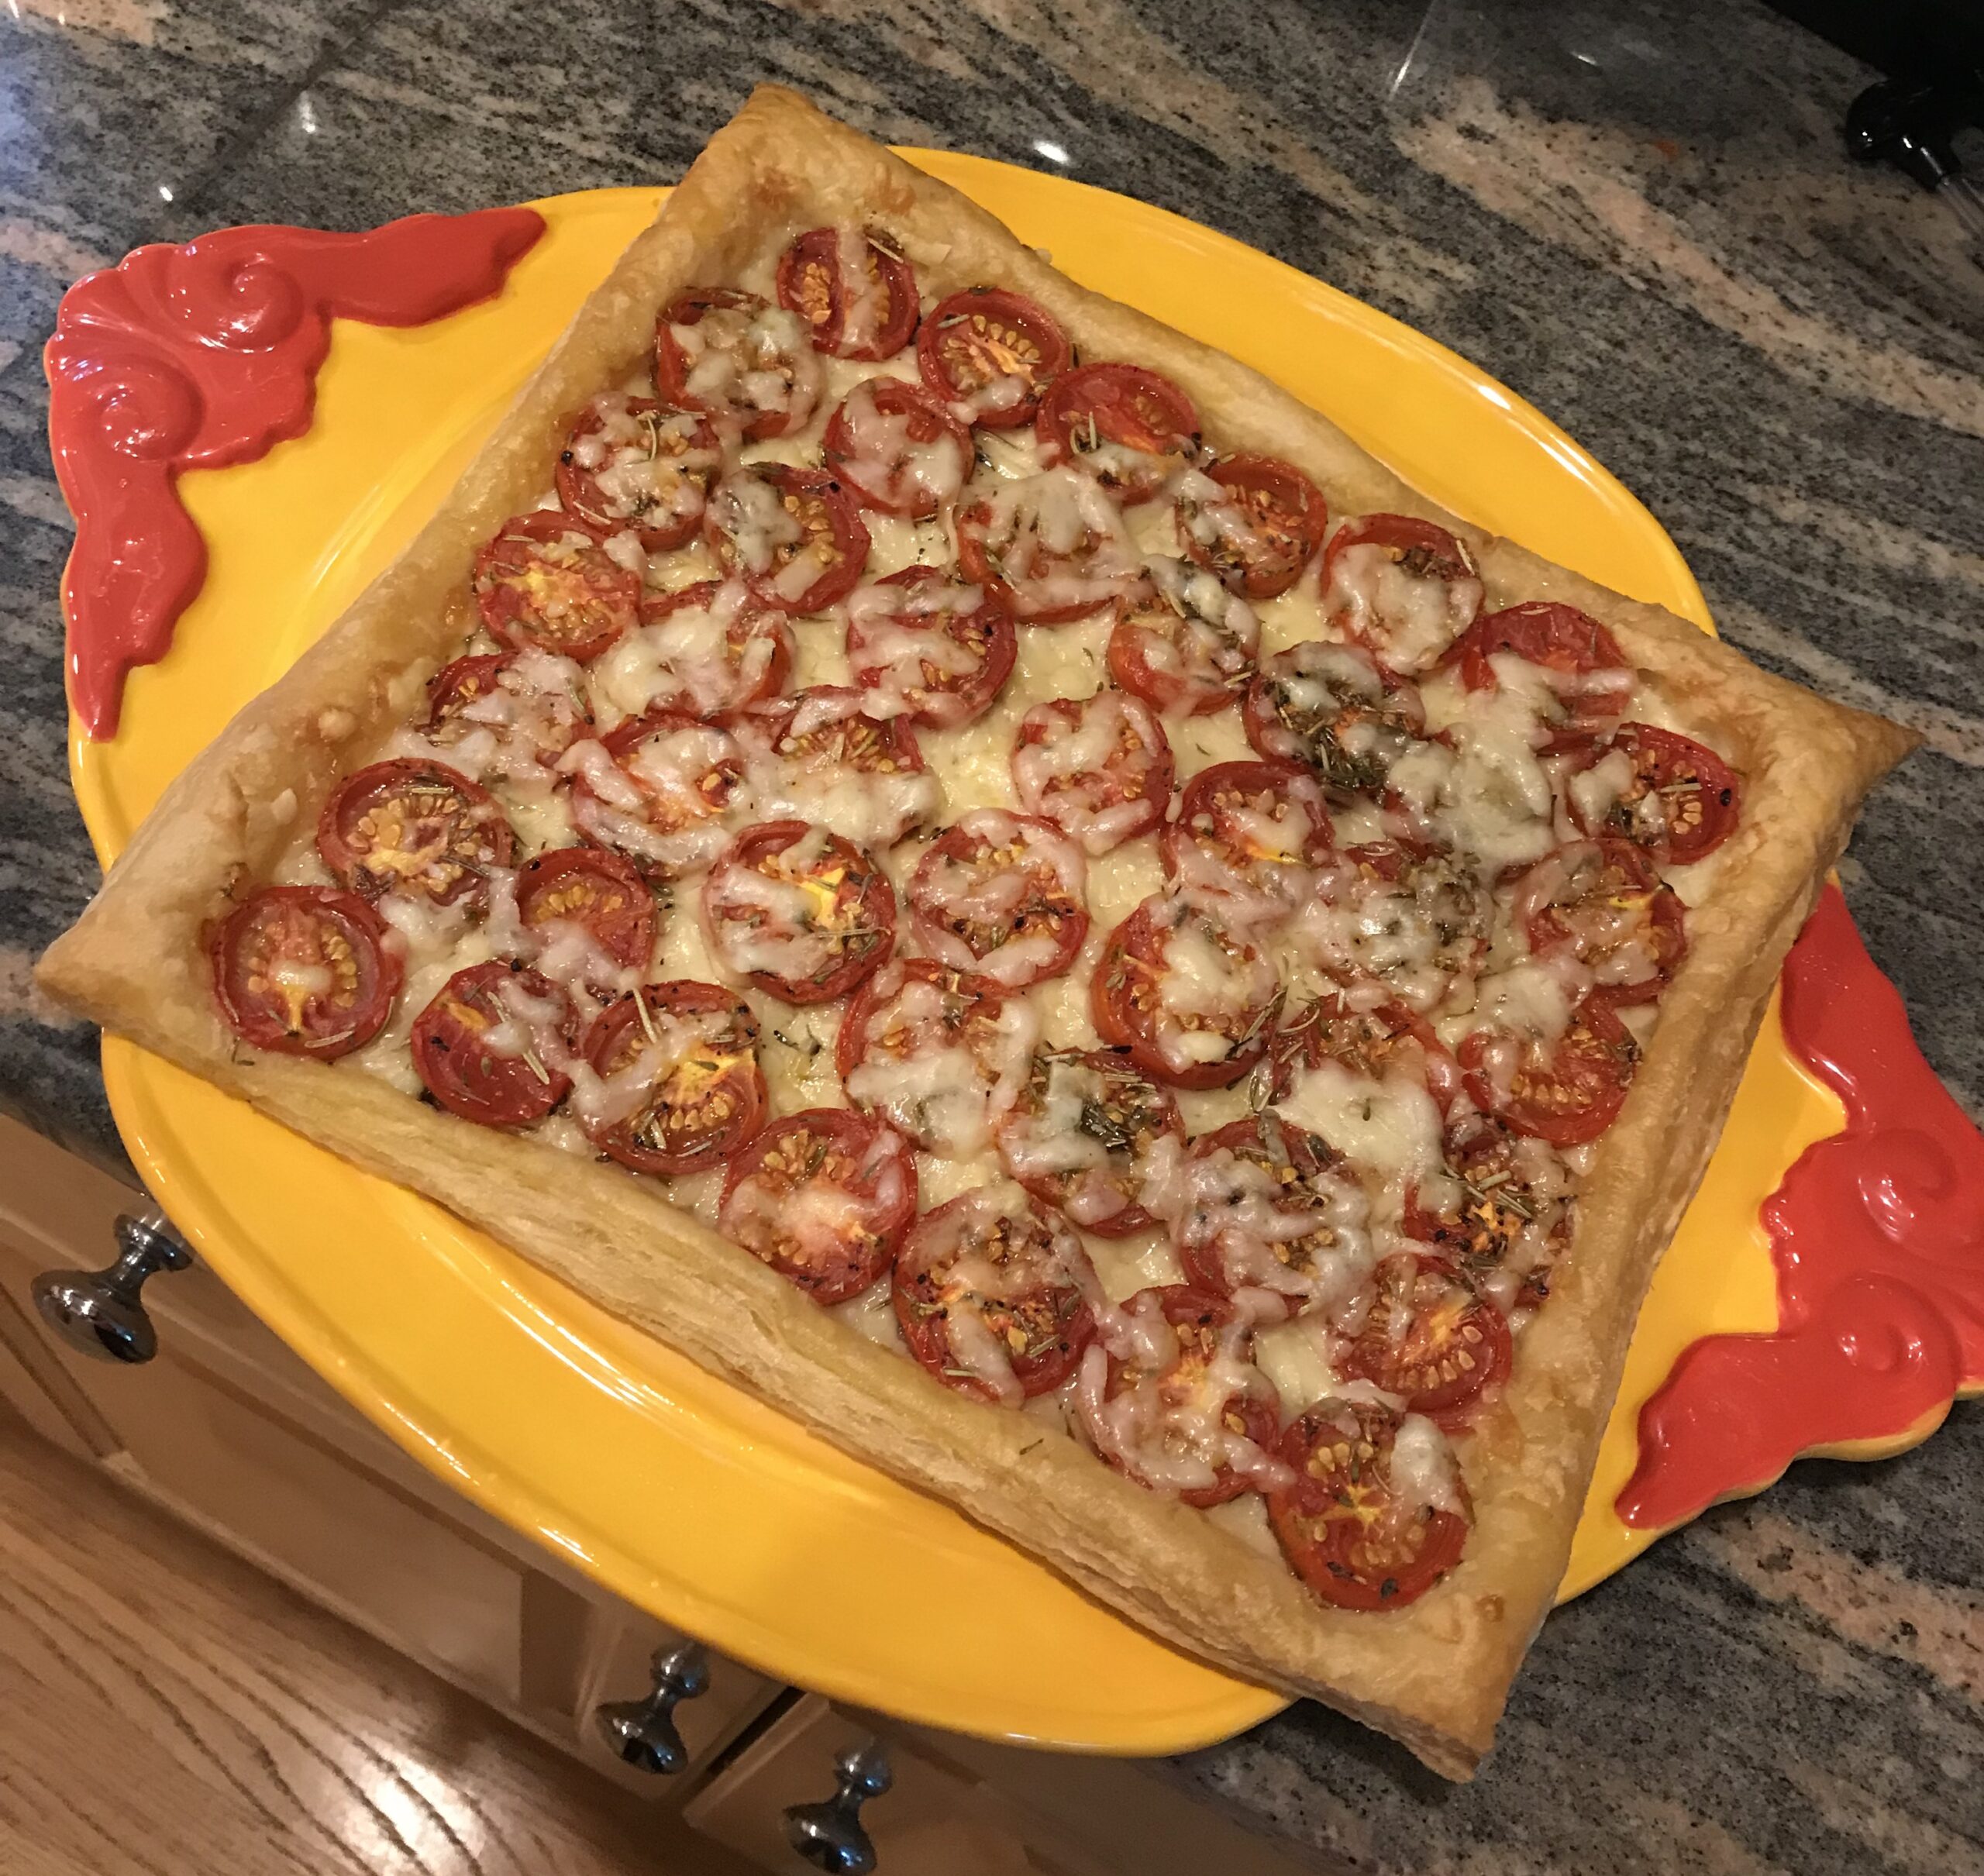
962,859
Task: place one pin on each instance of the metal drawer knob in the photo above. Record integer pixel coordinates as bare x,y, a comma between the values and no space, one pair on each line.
99,1312
643,1732
829,1836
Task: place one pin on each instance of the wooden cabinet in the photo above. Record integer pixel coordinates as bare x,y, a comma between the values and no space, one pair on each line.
228,1430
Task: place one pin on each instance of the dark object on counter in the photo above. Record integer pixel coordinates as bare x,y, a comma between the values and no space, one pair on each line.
1911,127
1908,40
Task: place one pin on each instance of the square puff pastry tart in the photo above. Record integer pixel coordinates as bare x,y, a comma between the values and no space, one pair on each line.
1432,1667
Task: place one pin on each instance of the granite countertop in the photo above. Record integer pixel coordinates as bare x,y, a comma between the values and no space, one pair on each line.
1637,214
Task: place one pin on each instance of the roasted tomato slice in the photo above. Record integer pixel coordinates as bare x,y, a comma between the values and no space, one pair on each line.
594,890
1265,1205
1333,709
1078,1135
1378,1044
997,898
1431,1339
304,970
1052,546
794,536
1255,522
545,580
993,353
1193,1003
632,462
1580,660
657,788
1188,1412
1603,898
806,751
992,1292
940,1063
722,351
678,1088
504,713
1377,1512
1660,790
1408,918
1404,587
1131,429
860,305
1182,643
898,448
824,1197
491,1045
803,914
1503,1214
932,649
703,650
1567,1090
1100,768
1248,839
413,826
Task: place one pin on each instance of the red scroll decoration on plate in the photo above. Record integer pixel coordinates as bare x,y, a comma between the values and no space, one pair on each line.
196,356
1878,1234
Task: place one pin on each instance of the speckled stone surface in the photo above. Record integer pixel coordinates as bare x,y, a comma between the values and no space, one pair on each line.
1637,215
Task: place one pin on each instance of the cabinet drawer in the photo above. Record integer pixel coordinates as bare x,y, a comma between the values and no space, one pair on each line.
933,1821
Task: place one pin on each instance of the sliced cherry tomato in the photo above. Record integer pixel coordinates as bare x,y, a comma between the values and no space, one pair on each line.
492,695
1052,546
480,1046
862,306
1269,1206
717,647
1581,659
1567,1092
1248,839
1407,917
1182,643
940,650
1099,768
992,1296
1192,1002
1131,429
545,580
657,788
1404,587
824,1197
804,751
794,535
304,970
416,826
898,448
596,890
1351,1528
997,898
1603,898
1333,708
1255,522
1506,1206
679,1088
734,353
1676,798
1431,1339
1078,1136
992,352
1194,1413
1377,1044
940,1063
803,914
632,462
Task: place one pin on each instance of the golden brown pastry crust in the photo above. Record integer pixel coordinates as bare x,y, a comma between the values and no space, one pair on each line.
1435,1675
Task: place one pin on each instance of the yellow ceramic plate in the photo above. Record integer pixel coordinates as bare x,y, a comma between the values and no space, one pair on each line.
674,1489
